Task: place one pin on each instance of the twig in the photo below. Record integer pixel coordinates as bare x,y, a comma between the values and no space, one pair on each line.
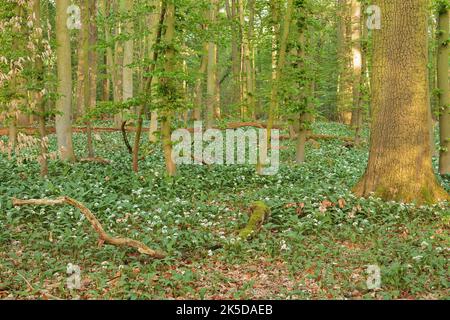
95,159
142,248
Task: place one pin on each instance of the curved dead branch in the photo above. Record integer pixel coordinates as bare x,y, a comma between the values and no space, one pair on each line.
142,248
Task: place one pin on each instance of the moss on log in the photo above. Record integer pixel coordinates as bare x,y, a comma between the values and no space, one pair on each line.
260,212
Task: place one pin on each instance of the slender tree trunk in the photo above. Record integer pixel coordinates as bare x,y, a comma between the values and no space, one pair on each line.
357,67
217,110
344,89
444,89
40,106
198,90
399,166
211,86
249,67
168,83
281,59
128,50
300,155
155,27
92,58
235,56
64,102
82,88
153,125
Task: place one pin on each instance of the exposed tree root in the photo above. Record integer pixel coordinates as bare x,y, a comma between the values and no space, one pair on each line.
142,248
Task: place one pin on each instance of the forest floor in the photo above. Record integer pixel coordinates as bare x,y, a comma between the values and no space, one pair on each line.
317,244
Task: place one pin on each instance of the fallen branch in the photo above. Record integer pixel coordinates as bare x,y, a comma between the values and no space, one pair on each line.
142,248
237,125
95,159
319,137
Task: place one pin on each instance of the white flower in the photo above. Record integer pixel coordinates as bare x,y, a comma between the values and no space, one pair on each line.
424,244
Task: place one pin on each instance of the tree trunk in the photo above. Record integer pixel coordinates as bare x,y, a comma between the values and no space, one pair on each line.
357,67
198,90
211,94
155,27
444,89
169,87
40,106
82,93
281,59
249,67
344,88
235,56
127,73
399,166
64,66
300,155
92,58
243,63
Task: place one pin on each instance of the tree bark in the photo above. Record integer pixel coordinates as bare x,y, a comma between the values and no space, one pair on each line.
128,48
344,88
155,26
40,106
64,66
211,86
444,89
198,90
399,166
92,58
169,87
357,67
82,89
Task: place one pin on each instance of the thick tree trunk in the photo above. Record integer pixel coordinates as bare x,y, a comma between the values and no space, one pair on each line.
399,166
64,65
444,90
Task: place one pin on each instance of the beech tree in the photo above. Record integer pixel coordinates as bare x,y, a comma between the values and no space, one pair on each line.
444,86
399,166
64,66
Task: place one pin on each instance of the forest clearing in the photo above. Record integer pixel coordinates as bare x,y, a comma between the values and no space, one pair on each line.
224,149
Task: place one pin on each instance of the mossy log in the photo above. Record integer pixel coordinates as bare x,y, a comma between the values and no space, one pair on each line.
260,213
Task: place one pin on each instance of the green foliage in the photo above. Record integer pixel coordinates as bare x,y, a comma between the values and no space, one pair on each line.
317,243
